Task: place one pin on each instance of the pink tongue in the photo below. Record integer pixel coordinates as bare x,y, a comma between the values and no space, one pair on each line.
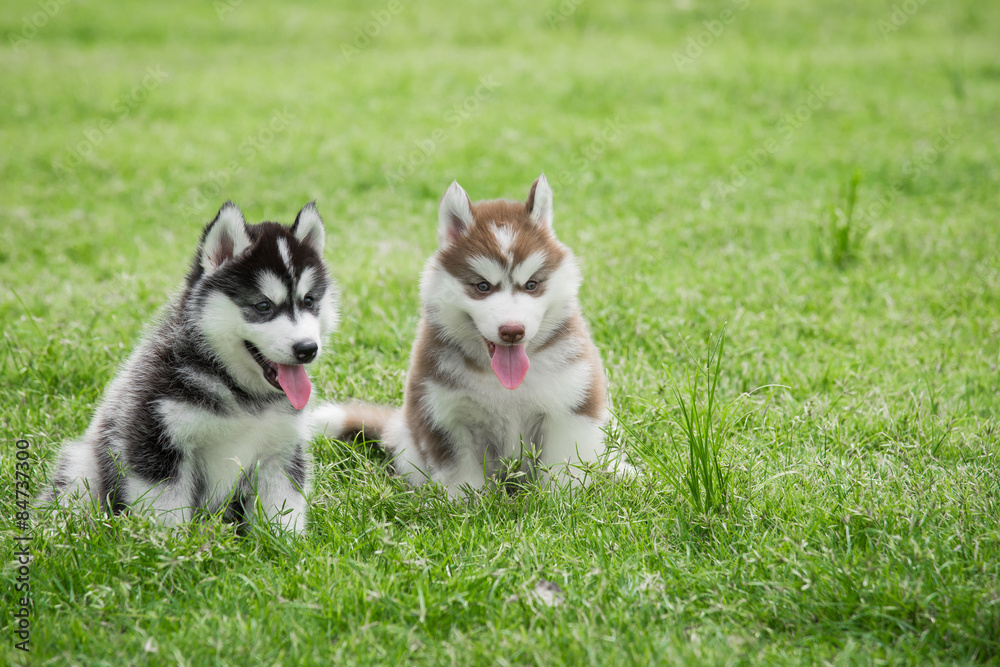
295,382
510,363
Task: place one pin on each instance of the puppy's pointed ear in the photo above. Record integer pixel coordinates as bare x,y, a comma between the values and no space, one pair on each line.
308,228
539,203
225,238
454,216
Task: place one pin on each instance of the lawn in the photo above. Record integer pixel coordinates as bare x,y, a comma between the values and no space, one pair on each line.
819,180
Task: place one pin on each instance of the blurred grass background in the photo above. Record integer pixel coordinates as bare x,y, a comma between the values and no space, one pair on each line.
702,155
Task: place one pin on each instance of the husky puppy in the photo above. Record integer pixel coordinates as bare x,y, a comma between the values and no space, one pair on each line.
503,364
206,414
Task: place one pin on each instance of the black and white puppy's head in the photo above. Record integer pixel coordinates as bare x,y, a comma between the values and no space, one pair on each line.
264,300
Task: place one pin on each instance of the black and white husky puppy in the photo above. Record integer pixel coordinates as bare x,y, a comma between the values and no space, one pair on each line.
503,361
207,413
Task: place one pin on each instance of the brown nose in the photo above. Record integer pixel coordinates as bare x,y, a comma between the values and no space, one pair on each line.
511,333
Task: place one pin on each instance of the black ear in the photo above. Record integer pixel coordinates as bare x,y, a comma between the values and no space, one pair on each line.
308,228
225,238
455,215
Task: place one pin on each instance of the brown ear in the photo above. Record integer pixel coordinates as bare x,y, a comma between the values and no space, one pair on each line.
539,202
454,215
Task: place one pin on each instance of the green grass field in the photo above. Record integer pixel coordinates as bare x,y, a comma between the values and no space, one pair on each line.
821,179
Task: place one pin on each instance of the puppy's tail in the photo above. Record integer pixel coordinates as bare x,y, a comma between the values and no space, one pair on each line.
349,420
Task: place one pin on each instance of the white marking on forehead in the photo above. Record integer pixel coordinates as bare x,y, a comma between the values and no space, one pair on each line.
286,255
306,281
525,270
272,286
505,237
488,268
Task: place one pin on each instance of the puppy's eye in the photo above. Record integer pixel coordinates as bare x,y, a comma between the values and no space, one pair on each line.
308,301
263,306
483,287
531,285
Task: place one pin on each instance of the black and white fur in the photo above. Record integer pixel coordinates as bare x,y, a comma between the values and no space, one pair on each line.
195,420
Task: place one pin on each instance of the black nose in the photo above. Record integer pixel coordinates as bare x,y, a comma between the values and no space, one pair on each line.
305,351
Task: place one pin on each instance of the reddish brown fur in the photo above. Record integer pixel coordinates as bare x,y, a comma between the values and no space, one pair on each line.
431,442
365,420
597,392
574,327
480,241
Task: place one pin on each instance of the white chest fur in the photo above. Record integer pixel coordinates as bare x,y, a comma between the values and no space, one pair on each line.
225,448
484,410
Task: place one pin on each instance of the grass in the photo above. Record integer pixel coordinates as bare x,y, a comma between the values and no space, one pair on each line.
699,429
705,477
867,488
843,239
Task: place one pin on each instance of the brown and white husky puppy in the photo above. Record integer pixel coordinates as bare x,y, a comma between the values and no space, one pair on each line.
503,364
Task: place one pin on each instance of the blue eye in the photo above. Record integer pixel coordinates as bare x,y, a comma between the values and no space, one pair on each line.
531,285
307,301
263,306
483,286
